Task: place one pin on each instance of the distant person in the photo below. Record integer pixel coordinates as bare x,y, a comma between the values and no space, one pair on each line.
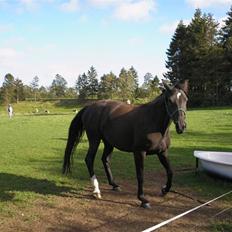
10,111
128,101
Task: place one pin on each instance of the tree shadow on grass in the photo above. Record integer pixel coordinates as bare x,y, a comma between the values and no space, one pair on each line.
10,183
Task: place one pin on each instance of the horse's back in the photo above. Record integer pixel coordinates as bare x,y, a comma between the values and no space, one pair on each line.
111,121
93,115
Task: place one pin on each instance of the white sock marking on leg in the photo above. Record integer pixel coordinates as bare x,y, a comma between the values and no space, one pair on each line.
95,184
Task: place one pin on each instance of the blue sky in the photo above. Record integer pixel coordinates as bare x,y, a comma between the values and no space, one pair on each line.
46,37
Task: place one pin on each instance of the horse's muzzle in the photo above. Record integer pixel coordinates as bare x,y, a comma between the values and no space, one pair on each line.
180,128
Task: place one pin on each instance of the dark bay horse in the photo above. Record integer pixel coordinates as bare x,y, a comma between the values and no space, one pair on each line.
143,130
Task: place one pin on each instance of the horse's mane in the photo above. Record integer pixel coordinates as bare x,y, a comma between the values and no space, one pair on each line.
159,99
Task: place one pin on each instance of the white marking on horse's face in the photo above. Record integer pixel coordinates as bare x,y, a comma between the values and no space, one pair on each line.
178,95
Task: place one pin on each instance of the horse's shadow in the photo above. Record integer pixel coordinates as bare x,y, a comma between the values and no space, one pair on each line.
11,183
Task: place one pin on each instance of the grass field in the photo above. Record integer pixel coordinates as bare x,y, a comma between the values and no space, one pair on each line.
32,148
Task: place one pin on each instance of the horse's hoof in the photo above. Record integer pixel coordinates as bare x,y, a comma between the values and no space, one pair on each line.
97,196
117,189
146,205
163,191
162,194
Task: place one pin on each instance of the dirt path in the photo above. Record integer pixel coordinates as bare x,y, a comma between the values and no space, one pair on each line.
117,211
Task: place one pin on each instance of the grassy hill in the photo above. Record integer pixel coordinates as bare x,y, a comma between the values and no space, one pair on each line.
41,107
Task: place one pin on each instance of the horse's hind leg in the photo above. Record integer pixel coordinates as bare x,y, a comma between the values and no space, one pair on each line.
165,162
139,165
106,156
89,160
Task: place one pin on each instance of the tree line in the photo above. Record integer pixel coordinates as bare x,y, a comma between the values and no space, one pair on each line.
202,52
87,86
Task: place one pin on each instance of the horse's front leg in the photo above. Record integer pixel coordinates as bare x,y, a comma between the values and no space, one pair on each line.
139,164
165,162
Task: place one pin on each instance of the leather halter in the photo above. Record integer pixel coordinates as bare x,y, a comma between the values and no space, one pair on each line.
171,114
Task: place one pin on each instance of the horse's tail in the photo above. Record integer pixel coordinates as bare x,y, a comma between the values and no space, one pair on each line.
76,130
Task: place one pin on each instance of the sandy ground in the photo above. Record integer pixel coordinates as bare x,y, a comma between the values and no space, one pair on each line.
117,211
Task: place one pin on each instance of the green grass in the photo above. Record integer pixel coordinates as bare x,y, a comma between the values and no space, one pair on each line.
32,148
222,227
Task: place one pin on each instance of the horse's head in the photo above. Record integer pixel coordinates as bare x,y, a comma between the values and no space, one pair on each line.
176,104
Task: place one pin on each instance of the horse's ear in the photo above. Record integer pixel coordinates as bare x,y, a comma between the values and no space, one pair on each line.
166,86
184,85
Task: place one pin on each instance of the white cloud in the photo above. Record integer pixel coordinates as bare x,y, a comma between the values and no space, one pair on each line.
107,2
28,5
22,6
70,6
128,10
135,11
208,3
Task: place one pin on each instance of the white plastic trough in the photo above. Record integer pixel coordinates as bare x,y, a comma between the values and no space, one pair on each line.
219,163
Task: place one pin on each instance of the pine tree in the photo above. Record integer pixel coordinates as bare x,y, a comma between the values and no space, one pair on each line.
176,54
202,34
92,82
226,31
189,57
226,63
134,75
35,85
